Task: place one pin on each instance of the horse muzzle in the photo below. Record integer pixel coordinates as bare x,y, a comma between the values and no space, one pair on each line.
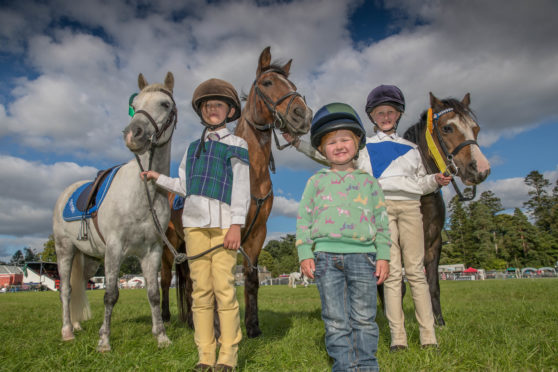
472,176
299,120
136,137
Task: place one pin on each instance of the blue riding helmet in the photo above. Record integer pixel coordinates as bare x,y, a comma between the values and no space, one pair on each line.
336,116
385,95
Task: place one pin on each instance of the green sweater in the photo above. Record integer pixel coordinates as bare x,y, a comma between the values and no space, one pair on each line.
342,212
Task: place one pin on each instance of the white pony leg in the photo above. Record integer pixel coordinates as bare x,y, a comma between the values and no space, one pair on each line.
150,264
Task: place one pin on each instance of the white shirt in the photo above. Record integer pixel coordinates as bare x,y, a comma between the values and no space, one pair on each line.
201,211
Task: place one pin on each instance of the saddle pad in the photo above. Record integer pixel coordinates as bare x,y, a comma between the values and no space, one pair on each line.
178,203
72,211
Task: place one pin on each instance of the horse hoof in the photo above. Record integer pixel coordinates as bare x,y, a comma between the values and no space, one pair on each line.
103,348
67,334
163,341
253,333
77,326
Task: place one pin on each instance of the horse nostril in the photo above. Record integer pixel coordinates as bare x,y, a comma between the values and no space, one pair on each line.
137,131
299,111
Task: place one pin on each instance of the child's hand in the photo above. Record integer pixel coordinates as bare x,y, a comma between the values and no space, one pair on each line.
382,271
149,175
442,180
232,238
308,267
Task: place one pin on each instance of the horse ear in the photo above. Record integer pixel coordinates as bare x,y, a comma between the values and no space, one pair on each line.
287,66
435,102
142,83
466,101
169,81
265,60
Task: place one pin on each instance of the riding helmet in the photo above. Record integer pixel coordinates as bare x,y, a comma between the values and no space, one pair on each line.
385,95
216,89
336,116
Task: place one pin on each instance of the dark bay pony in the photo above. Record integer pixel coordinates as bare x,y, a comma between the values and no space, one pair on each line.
454,133
272,103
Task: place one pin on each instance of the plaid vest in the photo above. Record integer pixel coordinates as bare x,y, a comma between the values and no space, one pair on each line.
211,174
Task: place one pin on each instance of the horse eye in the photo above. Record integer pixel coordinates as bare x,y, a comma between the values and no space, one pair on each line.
267,83
447,129
165,105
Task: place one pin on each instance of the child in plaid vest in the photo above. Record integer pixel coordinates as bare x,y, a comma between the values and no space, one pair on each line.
214,178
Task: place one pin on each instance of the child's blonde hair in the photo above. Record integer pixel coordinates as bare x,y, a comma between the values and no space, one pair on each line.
327,136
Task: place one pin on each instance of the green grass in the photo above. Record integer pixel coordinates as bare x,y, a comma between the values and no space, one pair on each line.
496,325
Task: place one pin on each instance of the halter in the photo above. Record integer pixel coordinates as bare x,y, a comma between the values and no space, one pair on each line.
279,120
451,169
171,120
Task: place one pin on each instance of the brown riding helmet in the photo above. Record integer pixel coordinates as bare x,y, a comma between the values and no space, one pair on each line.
216,89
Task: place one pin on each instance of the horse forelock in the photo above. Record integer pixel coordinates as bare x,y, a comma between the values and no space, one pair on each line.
155,88
275,67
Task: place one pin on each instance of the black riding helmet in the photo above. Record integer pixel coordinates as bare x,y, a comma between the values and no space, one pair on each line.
336,116
385,95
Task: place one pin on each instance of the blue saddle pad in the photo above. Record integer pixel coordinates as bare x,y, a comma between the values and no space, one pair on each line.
75,208
177,203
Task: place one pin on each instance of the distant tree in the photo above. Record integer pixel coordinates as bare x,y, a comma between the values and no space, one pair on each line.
18,258
49,252
284,253
265,260
30,255
540,203
130,265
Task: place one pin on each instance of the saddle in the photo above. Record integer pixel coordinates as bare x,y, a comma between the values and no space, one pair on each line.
86,200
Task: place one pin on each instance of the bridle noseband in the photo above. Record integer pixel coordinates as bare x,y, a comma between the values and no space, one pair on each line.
452,168
171,120
279,119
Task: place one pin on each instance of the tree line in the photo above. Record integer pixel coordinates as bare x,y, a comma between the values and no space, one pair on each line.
477,234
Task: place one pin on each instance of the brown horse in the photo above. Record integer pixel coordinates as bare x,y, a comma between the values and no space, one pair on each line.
272,103
454,132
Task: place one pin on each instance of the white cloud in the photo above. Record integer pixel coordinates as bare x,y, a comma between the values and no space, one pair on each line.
284,207
29,191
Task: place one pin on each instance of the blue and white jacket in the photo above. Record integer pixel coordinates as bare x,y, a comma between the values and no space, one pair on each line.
397,165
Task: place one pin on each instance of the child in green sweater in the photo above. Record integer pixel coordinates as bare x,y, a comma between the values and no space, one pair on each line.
343,239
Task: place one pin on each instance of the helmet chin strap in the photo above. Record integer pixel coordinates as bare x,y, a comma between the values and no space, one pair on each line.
201,146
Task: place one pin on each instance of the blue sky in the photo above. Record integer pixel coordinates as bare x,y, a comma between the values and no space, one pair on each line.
67,69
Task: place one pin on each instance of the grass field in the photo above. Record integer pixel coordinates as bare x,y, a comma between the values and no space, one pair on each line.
496,325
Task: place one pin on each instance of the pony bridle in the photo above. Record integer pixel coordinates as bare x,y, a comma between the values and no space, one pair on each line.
170,121
451,168
279,119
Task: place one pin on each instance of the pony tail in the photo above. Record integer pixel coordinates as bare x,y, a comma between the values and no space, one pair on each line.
79,304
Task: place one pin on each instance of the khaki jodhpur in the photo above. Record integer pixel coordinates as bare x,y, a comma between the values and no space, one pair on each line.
213,279
407,235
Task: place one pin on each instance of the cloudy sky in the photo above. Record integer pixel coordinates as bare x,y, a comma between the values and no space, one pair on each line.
67,69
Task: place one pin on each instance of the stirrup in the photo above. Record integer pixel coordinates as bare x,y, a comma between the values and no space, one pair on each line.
83,235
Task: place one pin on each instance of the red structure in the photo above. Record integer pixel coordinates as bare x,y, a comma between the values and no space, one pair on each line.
10,275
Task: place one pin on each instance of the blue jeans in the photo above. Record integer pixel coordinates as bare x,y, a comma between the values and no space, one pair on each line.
347,286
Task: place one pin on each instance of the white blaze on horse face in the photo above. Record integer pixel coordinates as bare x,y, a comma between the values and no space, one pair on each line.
466,127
